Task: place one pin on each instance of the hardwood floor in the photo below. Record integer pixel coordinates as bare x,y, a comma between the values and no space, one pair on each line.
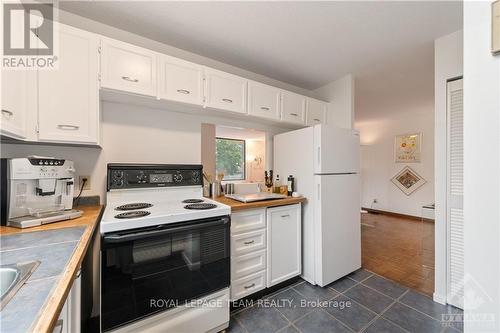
400,249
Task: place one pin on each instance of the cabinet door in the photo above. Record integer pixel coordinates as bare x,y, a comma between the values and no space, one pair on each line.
284,259
18,100
293,107
181,81
128,68
316,112
263,101
68,106
225,91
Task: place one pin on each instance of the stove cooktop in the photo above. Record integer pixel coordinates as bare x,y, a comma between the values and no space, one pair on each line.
132,209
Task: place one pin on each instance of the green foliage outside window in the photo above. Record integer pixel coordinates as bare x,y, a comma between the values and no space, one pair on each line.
230,158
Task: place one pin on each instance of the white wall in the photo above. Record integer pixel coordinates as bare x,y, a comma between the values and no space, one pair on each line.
448,64
378,166
340,94
481,170
139,135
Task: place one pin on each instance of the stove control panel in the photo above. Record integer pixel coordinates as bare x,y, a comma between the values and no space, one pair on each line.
124,176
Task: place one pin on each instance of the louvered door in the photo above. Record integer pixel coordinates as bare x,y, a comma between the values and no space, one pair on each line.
455,186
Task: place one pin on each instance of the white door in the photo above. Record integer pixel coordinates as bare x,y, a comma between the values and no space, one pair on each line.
263,101
180,80
128,68
336,150
316,112
68,108
337,227
284,243
18,102
293,107
455,189
225,91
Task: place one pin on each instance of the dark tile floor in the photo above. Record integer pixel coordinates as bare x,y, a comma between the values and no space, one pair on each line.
360,302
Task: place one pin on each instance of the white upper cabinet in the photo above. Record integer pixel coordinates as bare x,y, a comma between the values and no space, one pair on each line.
293,107
68,102
128,68
225,91
263,100
316,112
180,80
18,102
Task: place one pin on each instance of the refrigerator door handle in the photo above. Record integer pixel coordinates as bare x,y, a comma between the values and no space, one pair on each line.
319,191
319,156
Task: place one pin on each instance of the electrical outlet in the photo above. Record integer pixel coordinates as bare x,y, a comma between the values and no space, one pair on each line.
80,182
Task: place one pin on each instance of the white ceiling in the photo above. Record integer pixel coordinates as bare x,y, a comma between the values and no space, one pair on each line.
387,45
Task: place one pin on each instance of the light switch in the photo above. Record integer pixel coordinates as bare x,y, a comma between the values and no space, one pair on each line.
495,27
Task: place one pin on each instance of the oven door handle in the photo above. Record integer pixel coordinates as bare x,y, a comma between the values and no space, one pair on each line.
117,238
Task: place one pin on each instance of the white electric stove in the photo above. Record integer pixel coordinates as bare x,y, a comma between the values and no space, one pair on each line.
163,247
138,208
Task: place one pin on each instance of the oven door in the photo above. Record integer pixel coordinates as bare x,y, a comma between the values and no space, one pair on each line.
149,270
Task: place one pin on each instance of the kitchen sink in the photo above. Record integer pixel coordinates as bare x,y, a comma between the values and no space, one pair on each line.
12,278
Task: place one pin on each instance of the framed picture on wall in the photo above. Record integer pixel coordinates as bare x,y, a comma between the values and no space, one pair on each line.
407,148
407,180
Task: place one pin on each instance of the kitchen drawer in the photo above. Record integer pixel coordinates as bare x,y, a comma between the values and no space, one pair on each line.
247,264
248,220
248,242
248,285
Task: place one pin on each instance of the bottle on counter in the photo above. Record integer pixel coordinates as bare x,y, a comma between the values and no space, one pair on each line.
277,184
291,185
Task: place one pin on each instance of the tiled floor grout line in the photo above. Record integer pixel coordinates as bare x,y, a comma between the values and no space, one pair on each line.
380,315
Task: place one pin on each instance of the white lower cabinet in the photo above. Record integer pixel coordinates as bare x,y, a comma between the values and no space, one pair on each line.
265,248
70,318
283,243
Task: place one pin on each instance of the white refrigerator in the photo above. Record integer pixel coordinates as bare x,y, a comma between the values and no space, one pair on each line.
325,163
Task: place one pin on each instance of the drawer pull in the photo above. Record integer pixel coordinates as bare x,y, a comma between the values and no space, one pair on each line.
7,112
249,286
68,127
286,215
250,242
126,78
227,100
294,114
265,108
316,119
183,91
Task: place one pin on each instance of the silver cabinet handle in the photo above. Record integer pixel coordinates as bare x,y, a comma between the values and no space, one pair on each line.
183,91
316,119
227,100
7,112
286,215
294,114
249,286
126,78
250,242
265,108
68,127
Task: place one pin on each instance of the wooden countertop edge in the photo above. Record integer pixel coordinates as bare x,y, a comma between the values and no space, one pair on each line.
51,310
238,206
